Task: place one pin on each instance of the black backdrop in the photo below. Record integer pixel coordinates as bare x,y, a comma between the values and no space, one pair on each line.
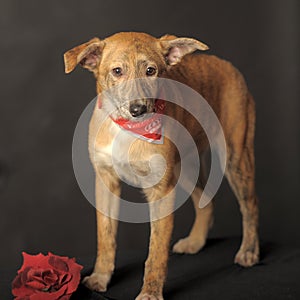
41,207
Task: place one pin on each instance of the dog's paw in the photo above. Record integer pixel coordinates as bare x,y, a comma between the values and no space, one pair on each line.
247,258
97,282
145,296
188,246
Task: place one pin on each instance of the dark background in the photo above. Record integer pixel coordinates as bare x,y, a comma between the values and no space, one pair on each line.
41,206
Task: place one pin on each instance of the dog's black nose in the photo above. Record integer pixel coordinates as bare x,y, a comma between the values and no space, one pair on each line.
137,110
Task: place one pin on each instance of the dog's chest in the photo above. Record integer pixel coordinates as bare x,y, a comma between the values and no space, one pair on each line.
133,167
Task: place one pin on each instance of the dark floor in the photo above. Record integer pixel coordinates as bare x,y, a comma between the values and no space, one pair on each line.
210,274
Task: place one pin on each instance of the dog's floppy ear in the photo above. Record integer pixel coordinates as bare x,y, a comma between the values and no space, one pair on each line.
88,55
175,48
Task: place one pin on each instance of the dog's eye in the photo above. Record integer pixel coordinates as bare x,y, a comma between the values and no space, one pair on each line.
150,71
117,72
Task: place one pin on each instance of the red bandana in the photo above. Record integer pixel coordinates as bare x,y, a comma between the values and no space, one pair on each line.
149,129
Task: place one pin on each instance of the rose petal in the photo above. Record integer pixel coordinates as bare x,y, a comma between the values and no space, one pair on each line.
64,258
50,278
35,279
58,263
37,271
65,297
75,271
65,278
38,261
24,275
22,291
36,285
49,296
17,282
22,298
35,275
18,285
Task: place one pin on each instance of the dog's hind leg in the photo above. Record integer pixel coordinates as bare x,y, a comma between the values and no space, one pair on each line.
196,239
240,173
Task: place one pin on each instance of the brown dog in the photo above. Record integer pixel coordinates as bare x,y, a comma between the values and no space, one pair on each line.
126,56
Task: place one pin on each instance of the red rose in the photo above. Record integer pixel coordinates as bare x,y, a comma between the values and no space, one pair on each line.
48,277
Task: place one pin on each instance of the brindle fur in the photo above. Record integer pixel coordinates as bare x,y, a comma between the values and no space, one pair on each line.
225,90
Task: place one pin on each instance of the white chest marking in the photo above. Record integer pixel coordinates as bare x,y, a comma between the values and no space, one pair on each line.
139,173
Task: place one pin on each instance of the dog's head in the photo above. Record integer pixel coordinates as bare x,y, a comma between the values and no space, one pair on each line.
127,56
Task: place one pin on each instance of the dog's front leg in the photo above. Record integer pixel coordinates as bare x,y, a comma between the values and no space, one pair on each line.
107,204
161,230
